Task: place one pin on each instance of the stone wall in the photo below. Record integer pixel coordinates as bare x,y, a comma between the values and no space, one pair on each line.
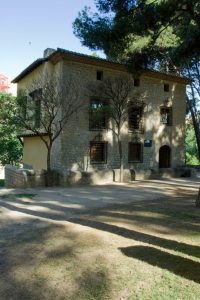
23,178
73,147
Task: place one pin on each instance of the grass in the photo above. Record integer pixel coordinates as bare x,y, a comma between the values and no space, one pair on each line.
19,196
144,250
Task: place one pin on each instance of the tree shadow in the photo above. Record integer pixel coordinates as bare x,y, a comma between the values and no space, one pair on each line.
141,237
53,212
181,266
32,266
162,219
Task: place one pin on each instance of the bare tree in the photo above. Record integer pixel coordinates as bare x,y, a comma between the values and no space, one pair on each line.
46,107
120,95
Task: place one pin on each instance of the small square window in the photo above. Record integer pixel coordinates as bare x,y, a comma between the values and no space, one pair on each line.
166,115
136,82
99,75
98,152
135,152
166,87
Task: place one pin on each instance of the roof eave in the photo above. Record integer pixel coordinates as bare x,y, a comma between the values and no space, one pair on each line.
99,62
29,69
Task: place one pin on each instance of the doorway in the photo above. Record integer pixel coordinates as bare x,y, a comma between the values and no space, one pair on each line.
165,157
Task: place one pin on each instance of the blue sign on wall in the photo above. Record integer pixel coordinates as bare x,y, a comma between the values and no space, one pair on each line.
147,143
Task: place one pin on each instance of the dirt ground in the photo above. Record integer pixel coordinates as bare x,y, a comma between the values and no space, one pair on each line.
120,241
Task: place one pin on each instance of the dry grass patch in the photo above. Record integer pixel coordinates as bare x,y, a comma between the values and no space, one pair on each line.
142,250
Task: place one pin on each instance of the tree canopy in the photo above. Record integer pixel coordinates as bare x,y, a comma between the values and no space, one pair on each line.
10,146
142,30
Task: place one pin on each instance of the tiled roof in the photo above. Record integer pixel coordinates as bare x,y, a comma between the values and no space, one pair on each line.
29,69
88,56
29,133
97,60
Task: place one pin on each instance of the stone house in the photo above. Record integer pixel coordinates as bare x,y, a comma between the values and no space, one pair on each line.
153,136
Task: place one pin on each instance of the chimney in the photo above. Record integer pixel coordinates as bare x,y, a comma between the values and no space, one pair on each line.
48,52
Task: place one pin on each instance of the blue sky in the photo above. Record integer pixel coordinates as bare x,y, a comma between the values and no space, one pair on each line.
29,27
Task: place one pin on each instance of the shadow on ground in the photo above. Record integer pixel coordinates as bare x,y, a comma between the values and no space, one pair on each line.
178,265
39,260
43,258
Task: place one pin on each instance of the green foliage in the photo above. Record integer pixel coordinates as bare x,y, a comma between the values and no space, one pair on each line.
19,196
191,146
10,146
142,30
2,182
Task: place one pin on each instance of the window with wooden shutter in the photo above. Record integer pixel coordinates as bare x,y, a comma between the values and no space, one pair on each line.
98,152
135,152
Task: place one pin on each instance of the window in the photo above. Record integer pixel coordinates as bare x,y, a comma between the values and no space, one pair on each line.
98,114
136,82
22,102
135,152
98,152
37,113
36,97
166,87
166,115
135,117
99,75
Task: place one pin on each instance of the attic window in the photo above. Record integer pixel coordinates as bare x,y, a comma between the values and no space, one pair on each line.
136,82
166,87
99,75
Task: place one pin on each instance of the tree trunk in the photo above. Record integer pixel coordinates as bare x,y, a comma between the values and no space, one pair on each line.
197,135
198,199
196,127
197,132
49,173
121,161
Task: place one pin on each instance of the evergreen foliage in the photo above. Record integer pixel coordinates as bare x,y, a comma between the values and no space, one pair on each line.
142,31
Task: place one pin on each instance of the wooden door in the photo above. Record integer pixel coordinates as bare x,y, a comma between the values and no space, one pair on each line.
165,157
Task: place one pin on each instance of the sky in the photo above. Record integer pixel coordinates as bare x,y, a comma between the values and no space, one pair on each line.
29,27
